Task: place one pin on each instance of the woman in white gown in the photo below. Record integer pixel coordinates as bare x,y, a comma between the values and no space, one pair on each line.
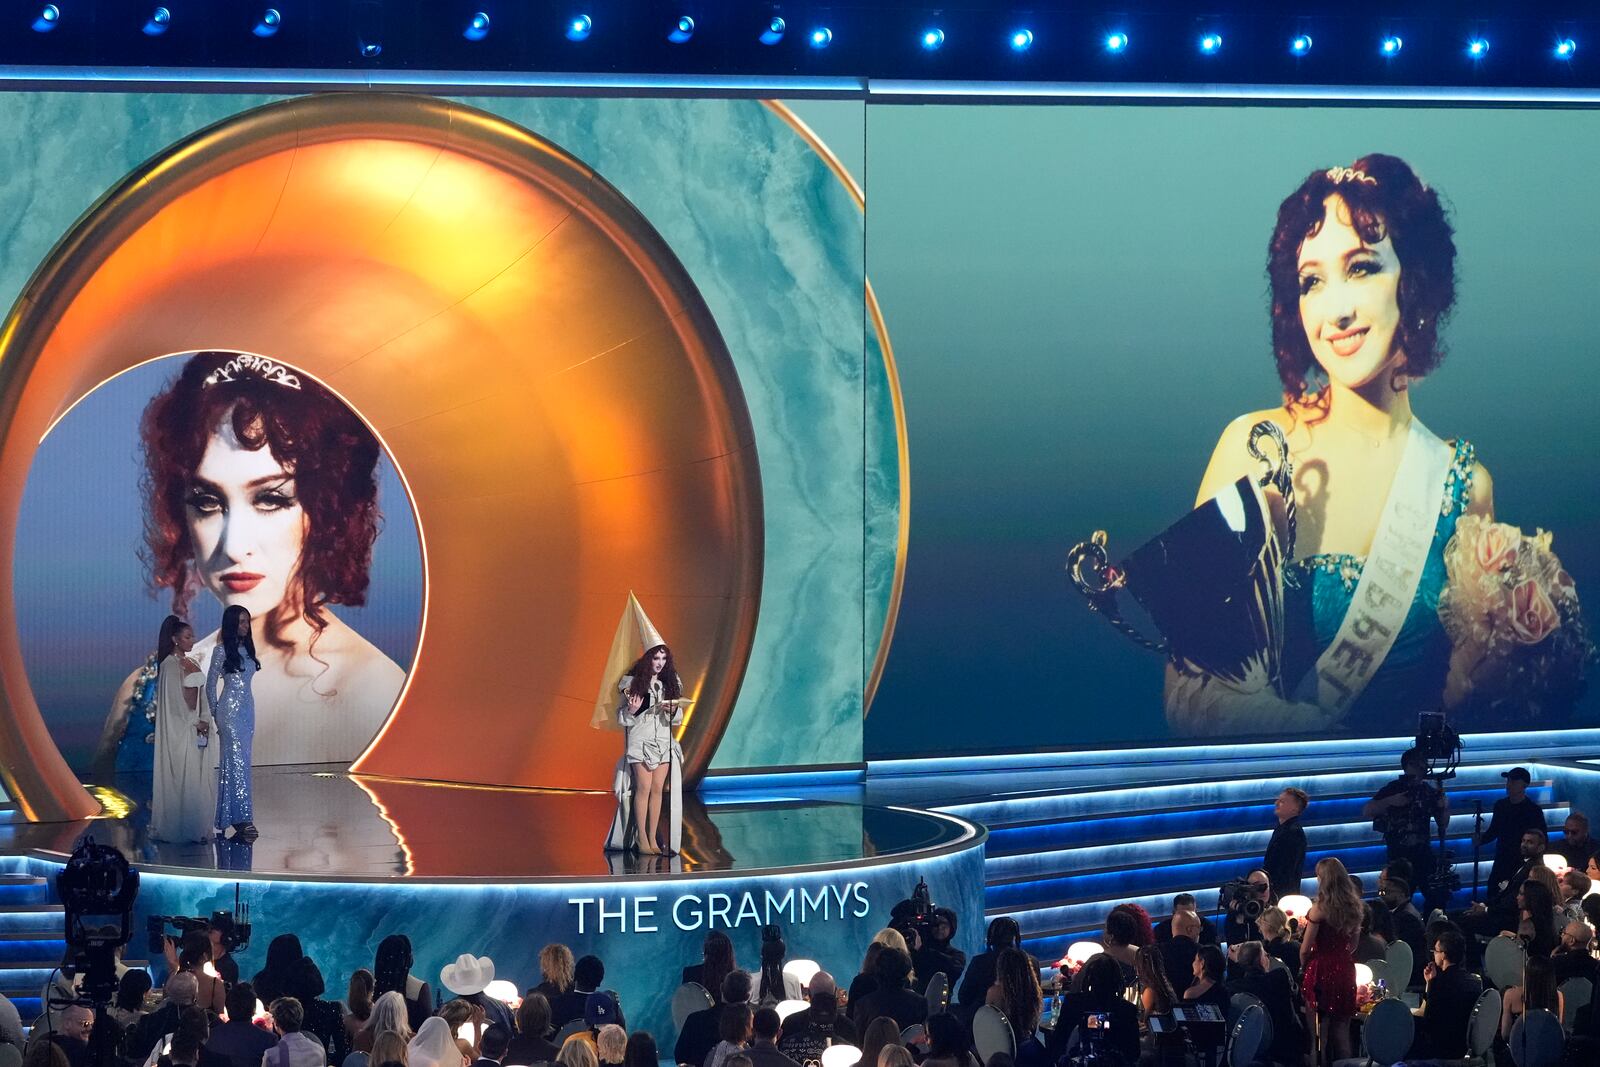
184,800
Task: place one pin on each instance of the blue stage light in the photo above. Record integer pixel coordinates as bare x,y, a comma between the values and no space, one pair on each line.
774,32
1117,42
1391,45
579,27
1564,48
49,18
1022,40
821,37
933,39
1478,47
477,26
1211,43
158,22
682,30
1301,45
268,23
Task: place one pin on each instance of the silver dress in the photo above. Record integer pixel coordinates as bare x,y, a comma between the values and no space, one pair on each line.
234,709
650,739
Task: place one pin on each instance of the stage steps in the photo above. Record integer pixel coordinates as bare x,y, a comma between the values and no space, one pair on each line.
32,938
1059,858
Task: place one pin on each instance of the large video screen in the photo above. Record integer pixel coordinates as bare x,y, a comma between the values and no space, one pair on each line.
1095,307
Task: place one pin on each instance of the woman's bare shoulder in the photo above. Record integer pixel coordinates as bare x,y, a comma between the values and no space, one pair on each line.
360,662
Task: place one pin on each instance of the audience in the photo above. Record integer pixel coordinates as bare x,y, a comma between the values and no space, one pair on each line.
1449,993
390,1014
496,1042
1178,953
294,1048
277,978
1185,902
1120,937
896,1056
555,971
127,1009
1575,885
717,961
641,1051
324,1019
391,973
389,1048
948,1042
766,1028
575,1052
1370,943
893,995
531,1044
1573,958
879,1034
775,985
181,991
358,1004
1206,988
699,1033
1144,933
610,1043
1100,994
1538,990
435,1046
1575,844
1274,926
587,974
867,980
807,1032
1275,990
1016,993
239,1040
1003,933
733,1027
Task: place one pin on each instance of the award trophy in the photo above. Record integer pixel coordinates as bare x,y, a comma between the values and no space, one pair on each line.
1212,582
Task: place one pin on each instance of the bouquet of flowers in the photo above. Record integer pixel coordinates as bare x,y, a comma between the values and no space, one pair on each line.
1518,640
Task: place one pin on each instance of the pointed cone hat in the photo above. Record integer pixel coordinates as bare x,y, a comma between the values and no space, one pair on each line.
635,633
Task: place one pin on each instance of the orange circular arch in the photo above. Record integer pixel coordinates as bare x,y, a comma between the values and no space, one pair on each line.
539,365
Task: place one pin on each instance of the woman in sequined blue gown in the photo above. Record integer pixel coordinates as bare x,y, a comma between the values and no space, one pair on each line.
233,668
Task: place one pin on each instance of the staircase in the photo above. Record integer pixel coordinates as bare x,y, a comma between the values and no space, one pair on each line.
32,940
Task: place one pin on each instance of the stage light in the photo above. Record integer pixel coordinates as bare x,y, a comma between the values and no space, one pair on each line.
268,23
1022,40
786,1008
840,1056
49,18
1117,42
158,22
504,991
1301,45
1080,952
933,39
1363,975
1391,45
1564,47
774,31
1295,906
802,970
1211,44
477,26
821,37
682,30
1477,48
1556,862
579,27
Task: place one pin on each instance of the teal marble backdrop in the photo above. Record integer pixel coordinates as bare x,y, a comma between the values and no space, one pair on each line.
775,243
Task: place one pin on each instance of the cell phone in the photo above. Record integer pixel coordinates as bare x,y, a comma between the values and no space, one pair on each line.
1097,1020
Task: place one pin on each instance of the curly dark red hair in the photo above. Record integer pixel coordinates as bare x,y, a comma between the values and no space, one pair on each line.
329,450
640,672
1394,204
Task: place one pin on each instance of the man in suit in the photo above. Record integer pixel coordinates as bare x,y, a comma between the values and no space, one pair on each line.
239,1039
766,1029
1575,843
806,1033
1285,860
700,1032
1177,954
1449,993
1571,958
1501,911
1185,902
1275,990
1394,889
492,1046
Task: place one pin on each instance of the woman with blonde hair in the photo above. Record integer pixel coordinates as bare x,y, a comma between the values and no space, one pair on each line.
866,982
577,1052
894,1056
611,1044
555,967
388,1047
1327,952
389,1016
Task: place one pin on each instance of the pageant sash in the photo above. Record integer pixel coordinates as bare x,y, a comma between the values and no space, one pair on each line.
1389,580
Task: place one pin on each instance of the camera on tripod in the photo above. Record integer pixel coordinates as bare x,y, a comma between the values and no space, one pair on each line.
1243,898
235,929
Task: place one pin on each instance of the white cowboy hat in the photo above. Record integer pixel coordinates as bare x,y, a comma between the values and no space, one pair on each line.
468,974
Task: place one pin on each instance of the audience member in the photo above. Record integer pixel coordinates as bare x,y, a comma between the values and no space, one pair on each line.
894,1056
389,1048
1575,845
1017,994
766,1028
575,1052
391,973
878,1035
1274,927
1156,995
1394,889
1101,994
587,974
1538,990
1185,902
716,962
182,989
196,1024
1499,911
1575,885
733,1027
1514,815
1207,985
239,1039
1003,933
128,1008
532,1042
1285,860
73,1023
460,1015
1572,958
1144,932
324,1019
1536,919
222,960
435,1046
467,978
294,1048
775,985
698,1035
277,978
807,1032
1178,953
937,955
496,1041
641,1050
1120,937
185,1050
390,1014
45,1054
610,1043
948,1042
1274,989
555,970
1449,993
1370,945
191,957
867,980
893,996
358,999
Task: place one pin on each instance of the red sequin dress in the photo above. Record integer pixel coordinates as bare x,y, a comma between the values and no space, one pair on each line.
1329,977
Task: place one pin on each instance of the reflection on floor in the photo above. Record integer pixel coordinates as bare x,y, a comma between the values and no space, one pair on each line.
321,822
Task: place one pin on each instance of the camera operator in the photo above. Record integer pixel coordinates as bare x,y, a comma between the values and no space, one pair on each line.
1285,860
1242,904
1101,995
934,953
227,967
1401,811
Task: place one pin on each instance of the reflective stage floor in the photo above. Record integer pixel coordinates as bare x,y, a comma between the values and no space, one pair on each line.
321,823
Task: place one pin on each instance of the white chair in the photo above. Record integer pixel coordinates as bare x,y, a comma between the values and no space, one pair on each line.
689,998
991,1033
1388,1032
1537,1040
1244,1036
914,1034
1483,1025
1575,993
1400,961
938,993
1503,960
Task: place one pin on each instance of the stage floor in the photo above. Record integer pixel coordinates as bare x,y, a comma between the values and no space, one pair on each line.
321,823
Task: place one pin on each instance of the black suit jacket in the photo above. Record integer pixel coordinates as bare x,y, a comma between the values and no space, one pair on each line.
699,1035
1276,993
902,1005
1286,858
1177,958
1208,931
1447,1008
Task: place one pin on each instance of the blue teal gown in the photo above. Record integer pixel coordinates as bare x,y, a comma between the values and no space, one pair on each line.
1318,591
136,752
234,709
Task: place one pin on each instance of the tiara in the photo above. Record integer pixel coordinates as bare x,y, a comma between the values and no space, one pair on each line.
259,366
1340,175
